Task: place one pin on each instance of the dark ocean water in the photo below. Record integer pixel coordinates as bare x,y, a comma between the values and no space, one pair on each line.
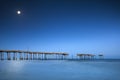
60,70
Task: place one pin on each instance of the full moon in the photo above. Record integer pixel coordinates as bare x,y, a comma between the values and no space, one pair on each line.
18,12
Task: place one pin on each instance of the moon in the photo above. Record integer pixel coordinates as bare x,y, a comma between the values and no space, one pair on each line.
18,12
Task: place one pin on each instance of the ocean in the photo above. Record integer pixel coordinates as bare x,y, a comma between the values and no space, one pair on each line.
60,70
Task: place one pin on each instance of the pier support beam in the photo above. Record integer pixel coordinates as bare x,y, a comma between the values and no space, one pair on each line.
56,56
84,57
93,57
8,56
42,56
39,56
14,56
64,57
45,56
1,56
59,57
21,56
26,56
31,56
81,57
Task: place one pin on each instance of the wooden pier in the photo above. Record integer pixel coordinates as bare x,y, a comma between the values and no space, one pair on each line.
90,56
86,56
29,55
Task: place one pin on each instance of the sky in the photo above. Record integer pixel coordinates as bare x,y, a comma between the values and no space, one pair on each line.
72,26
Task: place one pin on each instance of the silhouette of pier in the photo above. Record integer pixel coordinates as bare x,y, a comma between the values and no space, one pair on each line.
86,56
89,56
29,55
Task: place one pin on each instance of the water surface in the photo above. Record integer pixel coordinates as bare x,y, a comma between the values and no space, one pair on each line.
60,70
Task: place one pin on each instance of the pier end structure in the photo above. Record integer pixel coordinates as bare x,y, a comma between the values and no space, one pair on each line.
86,56
90,56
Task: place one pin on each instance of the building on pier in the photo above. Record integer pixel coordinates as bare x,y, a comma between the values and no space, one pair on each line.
101,56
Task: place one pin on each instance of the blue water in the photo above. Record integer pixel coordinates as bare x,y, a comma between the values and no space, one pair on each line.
60,70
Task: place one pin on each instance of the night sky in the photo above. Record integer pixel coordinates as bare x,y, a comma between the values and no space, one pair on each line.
73,26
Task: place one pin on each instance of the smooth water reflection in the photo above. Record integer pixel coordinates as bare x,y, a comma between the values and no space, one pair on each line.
59,70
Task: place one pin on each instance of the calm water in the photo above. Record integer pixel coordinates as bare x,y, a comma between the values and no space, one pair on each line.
60,70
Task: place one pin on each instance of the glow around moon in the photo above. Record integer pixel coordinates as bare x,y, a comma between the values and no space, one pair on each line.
18,12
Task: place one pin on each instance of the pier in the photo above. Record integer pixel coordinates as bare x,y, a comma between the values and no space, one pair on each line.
90,56
30,55
86,56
